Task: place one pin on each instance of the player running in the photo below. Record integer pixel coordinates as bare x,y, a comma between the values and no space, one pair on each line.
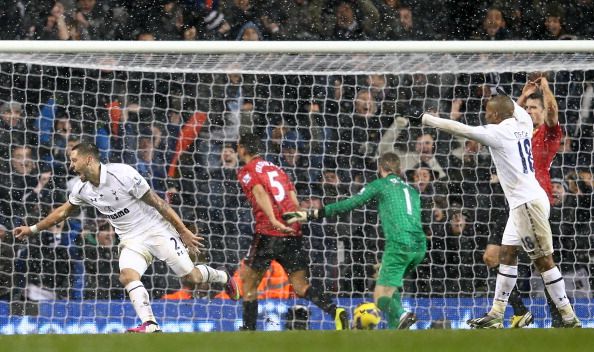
147,228
271,193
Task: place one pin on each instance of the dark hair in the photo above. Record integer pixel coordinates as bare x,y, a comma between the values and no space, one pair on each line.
537,96
390,162
86,148
250,142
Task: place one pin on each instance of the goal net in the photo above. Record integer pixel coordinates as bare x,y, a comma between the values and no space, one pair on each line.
324,118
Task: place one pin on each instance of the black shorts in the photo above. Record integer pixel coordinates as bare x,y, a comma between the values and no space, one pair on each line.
287,251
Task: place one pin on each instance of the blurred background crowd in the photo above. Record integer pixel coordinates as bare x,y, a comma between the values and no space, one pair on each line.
179,130
295,19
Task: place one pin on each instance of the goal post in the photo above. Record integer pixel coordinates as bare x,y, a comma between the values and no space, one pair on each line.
325,110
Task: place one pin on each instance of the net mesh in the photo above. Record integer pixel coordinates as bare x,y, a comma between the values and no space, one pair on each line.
324,119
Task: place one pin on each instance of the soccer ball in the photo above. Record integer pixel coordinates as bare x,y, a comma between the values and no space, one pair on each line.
366,316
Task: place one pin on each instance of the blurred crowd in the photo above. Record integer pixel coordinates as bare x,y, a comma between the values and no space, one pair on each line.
295,19
326,131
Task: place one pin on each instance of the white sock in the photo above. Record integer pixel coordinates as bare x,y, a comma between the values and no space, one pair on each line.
506,280
211,275
141,301
555,284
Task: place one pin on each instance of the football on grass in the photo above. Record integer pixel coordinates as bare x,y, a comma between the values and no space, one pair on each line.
366,316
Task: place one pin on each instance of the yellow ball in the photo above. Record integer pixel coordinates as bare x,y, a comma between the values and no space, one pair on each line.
366,316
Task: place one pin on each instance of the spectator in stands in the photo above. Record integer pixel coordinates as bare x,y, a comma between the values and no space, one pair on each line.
90,19
239,14
166,21
554,24
299,19
26,190
150,165
348,27
405,27
56,26
12,130
424,154
101,266
454,258
46,262
359,134
493,26
249,32
6,263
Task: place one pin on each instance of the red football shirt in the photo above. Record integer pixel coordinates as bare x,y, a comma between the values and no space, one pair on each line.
277,184
545,143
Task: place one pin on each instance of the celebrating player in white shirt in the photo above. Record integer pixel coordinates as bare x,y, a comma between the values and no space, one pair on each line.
147,227
508,136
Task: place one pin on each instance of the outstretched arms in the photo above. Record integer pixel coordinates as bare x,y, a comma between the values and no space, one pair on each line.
58,215
477,133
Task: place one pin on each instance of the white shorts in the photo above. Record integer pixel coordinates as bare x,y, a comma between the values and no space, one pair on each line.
138,253
528,226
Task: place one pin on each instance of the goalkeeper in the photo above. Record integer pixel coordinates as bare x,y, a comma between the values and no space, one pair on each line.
400,216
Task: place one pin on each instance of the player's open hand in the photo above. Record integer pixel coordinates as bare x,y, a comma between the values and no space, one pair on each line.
22,232
279,226
192,240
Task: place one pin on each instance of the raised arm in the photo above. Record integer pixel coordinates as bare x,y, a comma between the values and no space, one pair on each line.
191,240
476,133
550,103
58,215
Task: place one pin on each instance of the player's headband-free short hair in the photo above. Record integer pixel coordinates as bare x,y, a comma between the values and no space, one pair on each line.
251,143
390,162
86,148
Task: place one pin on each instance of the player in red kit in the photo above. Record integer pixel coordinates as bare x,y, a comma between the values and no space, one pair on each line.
271,193
539,101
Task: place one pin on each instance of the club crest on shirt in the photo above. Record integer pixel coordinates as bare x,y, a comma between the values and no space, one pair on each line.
246,179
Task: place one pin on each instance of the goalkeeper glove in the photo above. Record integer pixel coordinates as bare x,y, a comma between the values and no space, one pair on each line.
303,215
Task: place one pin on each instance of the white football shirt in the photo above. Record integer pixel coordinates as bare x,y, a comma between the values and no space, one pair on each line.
118,198
510,145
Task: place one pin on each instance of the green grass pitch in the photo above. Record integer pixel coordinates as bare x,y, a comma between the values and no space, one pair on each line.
560,340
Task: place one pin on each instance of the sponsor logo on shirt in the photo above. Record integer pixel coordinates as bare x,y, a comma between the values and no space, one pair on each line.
118,214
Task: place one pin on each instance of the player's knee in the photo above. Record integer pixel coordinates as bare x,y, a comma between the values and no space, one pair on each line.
127,276
490,260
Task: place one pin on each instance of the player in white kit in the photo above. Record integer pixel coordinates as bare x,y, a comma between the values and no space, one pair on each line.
508,135
146,225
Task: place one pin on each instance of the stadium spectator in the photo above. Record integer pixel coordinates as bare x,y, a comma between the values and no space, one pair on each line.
405,26
348,26
299,19
493,26
554,24
13,130
91,20
456,264
7,252
424,153
101,266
